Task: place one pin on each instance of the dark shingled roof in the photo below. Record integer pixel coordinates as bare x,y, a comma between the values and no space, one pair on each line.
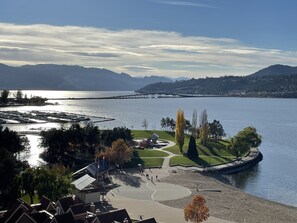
25,219
44,201
24,208
78,209
66,202
64,218
41,217
118,215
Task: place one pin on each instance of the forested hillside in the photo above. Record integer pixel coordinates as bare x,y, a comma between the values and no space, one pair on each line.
261,84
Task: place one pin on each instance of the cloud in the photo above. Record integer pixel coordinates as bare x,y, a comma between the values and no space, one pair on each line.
137,52
184,3
138,68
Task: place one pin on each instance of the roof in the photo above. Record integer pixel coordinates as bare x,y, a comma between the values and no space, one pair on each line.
41,217
24,218
66,202
78,209
118,215
155,135
44,201
98,167
92,219
149,220
64,218
83,182
16,210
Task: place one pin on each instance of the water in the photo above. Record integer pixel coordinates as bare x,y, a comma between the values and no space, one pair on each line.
275,178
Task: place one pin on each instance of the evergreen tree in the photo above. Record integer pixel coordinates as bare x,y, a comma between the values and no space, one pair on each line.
192,151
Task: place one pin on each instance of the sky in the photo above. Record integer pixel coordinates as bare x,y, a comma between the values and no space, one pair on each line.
174,38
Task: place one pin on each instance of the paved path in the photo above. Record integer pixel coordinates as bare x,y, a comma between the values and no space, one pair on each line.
139,196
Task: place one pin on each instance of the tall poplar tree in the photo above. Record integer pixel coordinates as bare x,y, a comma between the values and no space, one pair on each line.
194,124
203,127
180,129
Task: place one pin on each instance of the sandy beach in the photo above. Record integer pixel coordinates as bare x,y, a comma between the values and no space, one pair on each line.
226,202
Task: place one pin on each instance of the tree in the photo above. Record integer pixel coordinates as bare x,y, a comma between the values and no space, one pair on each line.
216,130
10,144
244,140
180,129
192,151
196,211
163,123
28,179
53,182
120,152
144,124
203,127
4,96
194,124
19,95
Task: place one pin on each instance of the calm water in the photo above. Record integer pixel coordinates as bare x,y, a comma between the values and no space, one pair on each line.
275,178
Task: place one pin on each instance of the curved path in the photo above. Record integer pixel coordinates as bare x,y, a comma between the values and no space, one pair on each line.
140,196
139,193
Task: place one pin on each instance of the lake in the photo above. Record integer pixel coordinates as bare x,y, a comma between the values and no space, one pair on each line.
275,178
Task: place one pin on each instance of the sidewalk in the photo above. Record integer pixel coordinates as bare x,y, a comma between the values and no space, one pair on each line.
139,196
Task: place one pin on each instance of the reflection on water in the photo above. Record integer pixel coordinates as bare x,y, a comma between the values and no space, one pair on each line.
242,179
33,155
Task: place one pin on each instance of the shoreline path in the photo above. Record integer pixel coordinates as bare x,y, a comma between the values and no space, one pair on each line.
141,192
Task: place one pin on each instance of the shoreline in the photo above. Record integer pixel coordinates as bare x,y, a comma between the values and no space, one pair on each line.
227,202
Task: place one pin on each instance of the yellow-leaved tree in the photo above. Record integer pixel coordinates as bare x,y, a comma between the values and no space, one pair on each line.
180,129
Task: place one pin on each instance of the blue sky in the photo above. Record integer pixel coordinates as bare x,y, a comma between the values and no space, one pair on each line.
193,38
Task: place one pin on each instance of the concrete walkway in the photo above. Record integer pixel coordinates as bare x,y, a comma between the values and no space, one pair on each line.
139,195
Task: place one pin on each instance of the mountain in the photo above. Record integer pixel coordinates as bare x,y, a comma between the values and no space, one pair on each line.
273,81
65,77
277,69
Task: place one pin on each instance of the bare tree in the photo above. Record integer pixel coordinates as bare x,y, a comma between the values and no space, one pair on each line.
144,124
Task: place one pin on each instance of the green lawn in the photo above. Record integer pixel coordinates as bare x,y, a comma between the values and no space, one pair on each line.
202,161
145,161
214,153
148,153
142,134
26,198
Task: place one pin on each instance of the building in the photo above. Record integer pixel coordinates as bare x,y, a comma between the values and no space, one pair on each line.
66,210
91,181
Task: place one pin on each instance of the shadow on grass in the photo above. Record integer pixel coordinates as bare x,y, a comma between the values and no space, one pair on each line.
200,162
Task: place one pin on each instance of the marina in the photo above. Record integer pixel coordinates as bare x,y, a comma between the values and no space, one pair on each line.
41,117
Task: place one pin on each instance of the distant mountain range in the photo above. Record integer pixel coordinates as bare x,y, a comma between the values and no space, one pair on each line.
274,81
64,77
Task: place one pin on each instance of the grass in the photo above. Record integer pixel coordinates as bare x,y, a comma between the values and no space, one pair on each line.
148,153
26,198
202,161
145,161
142,134
214,153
